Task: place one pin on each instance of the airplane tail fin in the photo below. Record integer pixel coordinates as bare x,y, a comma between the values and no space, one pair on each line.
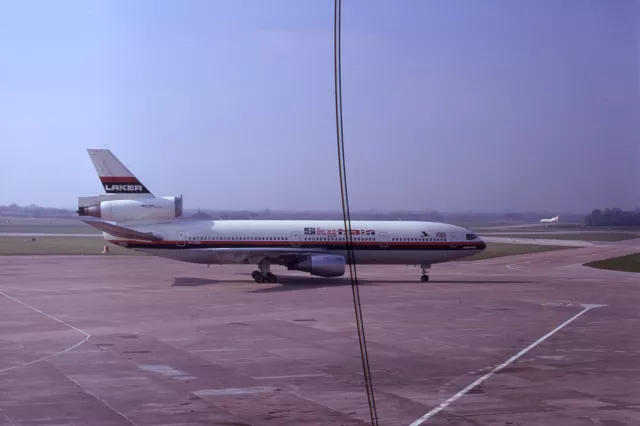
115,176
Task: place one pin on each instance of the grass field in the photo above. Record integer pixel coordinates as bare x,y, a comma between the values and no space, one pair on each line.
15,220
22,225
628,263
547,230
48,229
584,236
528,230
507,249
58,246
530,227
481,225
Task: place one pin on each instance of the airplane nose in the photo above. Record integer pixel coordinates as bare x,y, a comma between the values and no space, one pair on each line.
482,245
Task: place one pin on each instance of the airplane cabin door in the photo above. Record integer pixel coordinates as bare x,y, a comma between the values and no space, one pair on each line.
295,239
452,239
384,240
182,238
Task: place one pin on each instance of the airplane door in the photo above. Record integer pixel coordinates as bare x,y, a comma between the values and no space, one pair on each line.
384,240
452,239
182,238
295,239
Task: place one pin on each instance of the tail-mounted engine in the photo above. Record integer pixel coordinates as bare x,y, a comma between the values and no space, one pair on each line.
164,208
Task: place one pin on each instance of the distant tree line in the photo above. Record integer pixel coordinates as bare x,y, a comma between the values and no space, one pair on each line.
613,217
33,210
312,215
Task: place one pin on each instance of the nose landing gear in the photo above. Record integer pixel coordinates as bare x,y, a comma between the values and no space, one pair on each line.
425,277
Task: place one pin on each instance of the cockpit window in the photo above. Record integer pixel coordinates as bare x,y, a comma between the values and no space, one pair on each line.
471,237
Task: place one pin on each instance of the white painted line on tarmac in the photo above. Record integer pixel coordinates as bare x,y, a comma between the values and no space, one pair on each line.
487,376
70,348
7,417
87,336
290,376
234,391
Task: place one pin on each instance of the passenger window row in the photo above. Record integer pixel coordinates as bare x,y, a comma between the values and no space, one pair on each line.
338,239
419,239
221,238
238,239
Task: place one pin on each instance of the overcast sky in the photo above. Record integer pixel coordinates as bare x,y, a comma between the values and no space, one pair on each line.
448,105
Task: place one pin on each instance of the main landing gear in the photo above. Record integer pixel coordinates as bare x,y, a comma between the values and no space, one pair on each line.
264,273
425,277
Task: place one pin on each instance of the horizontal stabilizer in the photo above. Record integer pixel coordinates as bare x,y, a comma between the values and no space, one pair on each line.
122,232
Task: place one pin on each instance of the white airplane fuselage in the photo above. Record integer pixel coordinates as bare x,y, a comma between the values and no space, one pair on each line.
374,242
552,220
132,217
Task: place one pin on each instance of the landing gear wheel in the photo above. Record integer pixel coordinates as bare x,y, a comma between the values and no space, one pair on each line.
424,278
264,273
271,278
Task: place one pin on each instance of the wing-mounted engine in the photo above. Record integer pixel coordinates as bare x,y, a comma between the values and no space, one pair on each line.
143,209
321,265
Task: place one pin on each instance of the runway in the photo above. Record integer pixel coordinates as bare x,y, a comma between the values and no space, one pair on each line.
116,340
536,241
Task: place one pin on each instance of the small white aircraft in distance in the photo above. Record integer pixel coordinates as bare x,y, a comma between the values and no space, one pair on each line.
552,220
131,216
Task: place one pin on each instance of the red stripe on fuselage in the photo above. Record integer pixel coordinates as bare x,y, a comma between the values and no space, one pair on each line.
288,244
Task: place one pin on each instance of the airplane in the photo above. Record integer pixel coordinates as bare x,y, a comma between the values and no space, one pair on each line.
132,217
552,220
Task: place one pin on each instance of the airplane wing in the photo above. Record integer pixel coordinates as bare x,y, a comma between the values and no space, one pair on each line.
266,250
122,232
276,255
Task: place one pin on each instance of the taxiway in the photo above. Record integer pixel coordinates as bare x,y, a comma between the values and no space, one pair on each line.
116,340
